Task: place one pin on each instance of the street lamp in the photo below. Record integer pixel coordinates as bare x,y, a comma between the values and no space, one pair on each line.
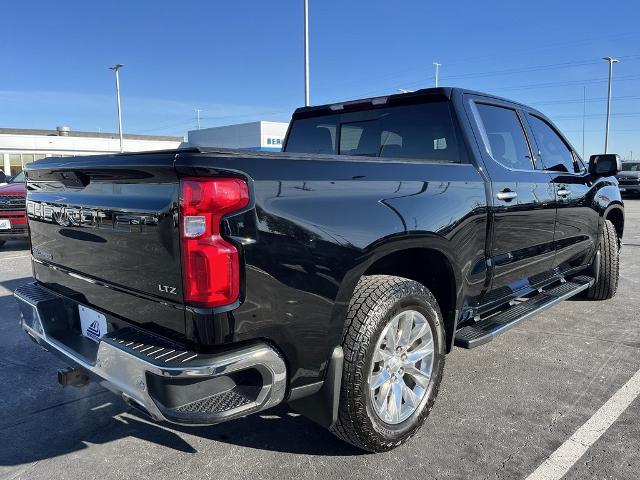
306,53
611,61
437,65
115,68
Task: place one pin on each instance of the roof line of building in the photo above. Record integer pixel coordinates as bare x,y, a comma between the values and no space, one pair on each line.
74,133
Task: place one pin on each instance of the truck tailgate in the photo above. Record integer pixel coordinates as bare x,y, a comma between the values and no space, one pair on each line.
105,229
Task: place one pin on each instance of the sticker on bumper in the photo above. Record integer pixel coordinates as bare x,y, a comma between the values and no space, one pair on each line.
92,323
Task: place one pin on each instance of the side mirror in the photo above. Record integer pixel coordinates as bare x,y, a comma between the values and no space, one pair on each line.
605,165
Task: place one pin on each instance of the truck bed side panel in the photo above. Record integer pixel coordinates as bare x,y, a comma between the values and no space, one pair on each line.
319,221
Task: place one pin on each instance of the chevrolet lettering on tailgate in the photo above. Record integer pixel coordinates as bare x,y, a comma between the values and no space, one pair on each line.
85,217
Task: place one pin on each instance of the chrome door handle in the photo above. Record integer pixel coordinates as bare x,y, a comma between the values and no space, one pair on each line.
564,192
506,195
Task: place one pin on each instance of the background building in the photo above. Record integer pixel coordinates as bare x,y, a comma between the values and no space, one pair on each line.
21,146
260,135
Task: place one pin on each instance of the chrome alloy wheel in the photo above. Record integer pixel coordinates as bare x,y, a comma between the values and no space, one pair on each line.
402,365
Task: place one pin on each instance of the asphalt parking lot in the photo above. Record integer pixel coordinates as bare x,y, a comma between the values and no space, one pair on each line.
503,409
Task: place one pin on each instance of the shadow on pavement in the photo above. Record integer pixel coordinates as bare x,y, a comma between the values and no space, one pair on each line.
82,422
32,443
15,246
279,430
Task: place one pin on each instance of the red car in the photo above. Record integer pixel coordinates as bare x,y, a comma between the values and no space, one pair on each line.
13,218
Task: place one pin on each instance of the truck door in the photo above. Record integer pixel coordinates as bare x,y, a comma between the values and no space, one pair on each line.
577,219
522,203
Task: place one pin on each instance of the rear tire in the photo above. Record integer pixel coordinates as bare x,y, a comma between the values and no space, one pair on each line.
384,306
608,267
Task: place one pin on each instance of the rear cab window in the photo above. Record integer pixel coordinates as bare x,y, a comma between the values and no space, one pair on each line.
424,131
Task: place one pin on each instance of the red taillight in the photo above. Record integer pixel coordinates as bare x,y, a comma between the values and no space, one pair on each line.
210,264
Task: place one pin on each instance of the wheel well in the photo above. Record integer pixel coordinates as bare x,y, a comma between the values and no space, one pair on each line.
617,219
429,267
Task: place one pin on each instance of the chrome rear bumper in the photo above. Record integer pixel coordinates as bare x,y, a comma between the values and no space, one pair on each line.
169,383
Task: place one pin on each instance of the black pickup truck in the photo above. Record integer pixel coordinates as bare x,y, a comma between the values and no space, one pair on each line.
204,285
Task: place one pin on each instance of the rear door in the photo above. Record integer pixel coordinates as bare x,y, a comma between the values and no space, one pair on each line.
523,210
577,219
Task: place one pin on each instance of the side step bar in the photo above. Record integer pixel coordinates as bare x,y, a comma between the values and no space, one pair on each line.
487,329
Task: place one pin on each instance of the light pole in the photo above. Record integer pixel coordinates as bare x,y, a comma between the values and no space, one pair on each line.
306,53
115,68
611,61
584,114
437,65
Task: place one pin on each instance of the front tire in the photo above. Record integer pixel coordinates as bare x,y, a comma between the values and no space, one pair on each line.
394,353
608,265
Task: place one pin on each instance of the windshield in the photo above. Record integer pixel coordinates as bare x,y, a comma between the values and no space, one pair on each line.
19,178
631,167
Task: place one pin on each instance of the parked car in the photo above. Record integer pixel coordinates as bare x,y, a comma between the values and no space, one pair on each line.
13,219
203,285
629,177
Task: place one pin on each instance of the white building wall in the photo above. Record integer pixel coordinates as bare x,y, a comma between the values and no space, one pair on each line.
272,135
44,143
50,145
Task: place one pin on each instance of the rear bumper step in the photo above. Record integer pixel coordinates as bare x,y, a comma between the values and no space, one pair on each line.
487,329
168,382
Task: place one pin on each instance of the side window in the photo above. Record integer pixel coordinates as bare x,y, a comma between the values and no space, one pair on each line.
507,142
556,155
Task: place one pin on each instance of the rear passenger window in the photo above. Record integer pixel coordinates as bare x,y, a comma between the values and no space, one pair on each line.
555,154
424,131
505,135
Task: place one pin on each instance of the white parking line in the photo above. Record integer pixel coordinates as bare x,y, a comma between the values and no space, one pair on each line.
560,461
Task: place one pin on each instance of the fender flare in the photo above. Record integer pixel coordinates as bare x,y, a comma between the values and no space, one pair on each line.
613,206
375,252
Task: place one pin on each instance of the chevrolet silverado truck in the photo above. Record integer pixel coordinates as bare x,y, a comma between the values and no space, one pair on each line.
13,219
202,285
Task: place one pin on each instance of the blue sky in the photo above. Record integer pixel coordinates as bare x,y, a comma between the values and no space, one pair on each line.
239,60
